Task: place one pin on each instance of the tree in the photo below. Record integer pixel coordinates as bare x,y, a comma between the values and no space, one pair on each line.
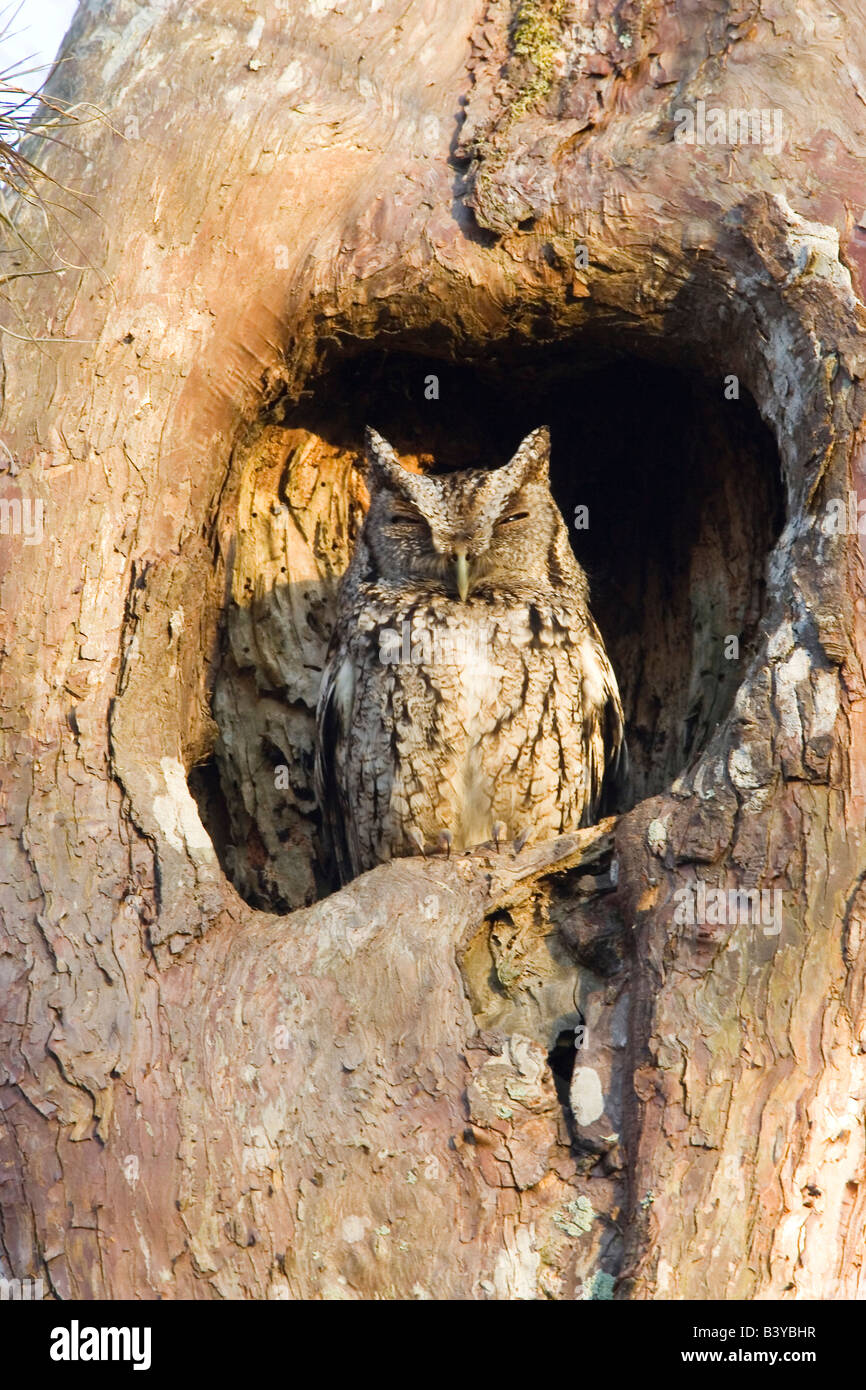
504,1076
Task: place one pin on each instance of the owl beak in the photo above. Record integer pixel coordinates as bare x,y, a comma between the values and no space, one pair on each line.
461,574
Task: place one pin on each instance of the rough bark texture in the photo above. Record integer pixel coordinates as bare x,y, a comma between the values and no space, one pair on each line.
201,1098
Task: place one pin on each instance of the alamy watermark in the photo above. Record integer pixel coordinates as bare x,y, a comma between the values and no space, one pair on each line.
434,647
732,907
77,1343
728,125
844,516
15,1290
22,516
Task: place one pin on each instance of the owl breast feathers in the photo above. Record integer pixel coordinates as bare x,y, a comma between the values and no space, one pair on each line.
467,695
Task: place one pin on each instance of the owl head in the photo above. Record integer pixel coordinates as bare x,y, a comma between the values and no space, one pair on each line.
464,532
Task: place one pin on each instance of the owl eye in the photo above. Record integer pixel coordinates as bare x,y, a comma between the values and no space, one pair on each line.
406,519
515,516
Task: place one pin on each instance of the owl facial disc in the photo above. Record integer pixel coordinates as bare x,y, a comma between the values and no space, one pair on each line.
459,530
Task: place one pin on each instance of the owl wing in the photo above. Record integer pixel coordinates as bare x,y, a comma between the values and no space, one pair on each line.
333,722
603,726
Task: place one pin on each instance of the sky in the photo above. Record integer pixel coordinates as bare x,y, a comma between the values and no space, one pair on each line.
35,29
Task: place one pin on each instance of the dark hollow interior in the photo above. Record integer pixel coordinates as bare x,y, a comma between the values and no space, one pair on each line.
684,502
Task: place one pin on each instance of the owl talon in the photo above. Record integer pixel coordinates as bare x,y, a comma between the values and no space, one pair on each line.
445,842
500,830
417,839
521,840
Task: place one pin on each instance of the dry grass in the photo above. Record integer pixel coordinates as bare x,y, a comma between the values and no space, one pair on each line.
37,213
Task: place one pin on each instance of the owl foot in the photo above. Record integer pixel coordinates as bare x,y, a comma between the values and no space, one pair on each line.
443,843
496,842
521,839
417,839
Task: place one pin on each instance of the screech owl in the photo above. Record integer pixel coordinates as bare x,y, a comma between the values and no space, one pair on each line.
467,696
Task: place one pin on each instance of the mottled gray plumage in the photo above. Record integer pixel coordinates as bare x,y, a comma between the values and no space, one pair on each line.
467,695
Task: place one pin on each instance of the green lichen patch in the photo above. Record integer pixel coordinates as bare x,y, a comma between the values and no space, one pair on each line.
537,37
576,1218
599,1287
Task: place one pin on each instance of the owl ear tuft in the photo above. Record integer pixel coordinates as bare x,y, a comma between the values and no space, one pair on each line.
532,459
381,459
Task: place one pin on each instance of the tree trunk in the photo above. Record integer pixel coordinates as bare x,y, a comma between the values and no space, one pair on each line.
578,1071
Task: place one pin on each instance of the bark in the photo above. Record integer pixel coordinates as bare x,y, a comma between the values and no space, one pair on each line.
298,215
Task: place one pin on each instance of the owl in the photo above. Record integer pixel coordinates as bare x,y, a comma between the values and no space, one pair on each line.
467,698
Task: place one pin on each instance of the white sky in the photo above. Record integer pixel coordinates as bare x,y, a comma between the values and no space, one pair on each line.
36,28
